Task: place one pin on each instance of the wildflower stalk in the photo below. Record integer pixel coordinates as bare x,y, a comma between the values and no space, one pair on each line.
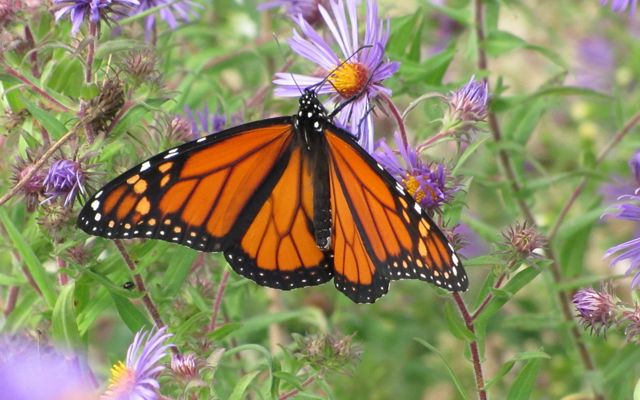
33,54
433,139
93,31
505,161
473,346
38,164
397,116
12,298
303,385
218,301
35,88
137,278
632,123
489,296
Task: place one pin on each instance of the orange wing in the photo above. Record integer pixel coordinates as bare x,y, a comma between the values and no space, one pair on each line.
278,248
195,194
381,233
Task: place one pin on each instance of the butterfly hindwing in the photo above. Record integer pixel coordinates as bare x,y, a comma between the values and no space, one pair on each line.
192,194
400,238
278,247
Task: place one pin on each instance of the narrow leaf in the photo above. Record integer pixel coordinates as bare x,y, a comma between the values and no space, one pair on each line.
525,381
242,385
64,325
454,377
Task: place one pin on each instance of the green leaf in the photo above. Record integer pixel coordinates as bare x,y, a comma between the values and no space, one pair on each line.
64,325
456,325
242,385
131,316
33,264
525,381
452,374
636,391
429,72
572,241
471,149
402,32
500,42
175,276
54,127
524,120
224,331
66,77
131,117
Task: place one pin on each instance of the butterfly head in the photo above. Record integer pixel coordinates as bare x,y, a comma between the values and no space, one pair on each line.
312,116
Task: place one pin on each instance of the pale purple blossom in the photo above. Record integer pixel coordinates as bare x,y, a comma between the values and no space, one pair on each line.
307,9
596,308
93,10
172,12
621,5
629,210
65,179
469,103
354,74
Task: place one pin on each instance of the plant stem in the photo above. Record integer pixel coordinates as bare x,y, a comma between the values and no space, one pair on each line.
473,346
294,392
427,143
137,278
505,161
397,116
33,54
218,301
36,88
38,164
632,123
488,297
12,298
93,31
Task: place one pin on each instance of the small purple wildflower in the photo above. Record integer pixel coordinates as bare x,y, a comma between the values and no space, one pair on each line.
203,122
136,377
634,165
595,63
596,309
34,187
632,330
619,186
628,210
469,103
361,76
622,5
523,240
33,371
429,184
64,179
307,9
173,13
94,10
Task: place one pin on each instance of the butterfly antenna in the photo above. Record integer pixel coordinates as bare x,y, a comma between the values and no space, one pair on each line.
275,37
326,78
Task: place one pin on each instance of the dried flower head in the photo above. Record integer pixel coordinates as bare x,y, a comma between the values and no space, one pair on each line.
65,179
521,240
632,330
185,366
336,352
136,378
141,65
93,10
56,219
7,11
103,108
34,187
469,103
429,183
180,129
596,309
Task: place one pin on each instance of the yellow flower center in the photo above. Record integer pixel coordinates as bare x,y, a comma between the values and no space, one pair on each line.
413,187
122,379
349,79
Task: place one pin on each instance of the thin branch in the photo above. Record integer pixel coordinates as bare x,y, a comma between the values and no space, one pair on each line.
473,346
294,392
93,32
218,301
632,123
489,296
38,165
397,116
433,139
137,278
12,298
36,88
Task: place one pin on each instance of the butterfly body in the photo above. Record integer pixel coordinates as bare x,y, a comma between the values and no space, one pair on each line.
290,201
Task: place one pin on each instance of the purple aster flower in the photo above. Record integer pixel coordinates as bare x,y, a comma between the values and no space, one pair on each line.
64,179
619,186
34,187
621,5
184,366
173,13
361,75
33,371
595,63
94,10
135,379
430,184
203,122
469,103
596,309
307,9
632,330
628,210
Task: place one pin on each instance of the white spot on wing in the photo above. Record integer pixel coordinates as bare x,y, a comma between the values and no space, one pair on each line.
169,155
202,139
95,204
97,217
418,208
145,166
455,259
455,271
98,194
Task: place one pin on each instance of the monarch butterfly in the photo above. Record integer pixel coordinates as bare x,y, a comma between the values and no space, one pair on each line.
291,201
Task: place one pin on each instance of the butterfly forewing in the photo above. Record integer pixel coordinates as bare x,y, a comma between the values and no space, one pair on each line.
192,194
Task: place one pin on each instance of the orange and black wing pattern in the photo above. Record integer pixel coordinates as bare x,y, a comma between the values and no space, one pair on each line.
277,247
195,194
380,232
